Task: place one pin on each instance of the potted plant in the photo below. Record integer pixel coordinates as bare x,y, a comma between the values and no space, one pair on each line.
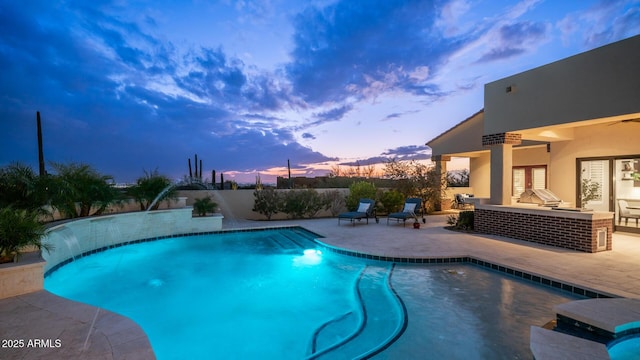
19,229
204,206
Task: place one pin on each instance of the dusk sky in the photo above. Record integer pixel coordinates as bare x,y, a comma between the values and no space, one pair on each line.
128,86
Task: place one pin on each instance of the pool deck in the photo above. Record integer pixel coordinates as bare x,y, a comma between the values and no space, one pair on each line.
87,332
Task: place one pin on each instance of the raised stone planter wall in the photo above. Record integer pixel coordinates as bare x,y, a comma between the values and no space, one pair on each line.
22,277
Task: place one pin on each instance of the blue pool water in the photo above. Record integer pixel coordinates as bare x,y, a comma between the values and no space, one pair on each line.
626,349
275,294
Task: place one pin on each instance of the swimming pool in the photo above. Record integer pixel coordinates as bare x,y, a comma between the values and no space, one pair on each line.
627,348
276,294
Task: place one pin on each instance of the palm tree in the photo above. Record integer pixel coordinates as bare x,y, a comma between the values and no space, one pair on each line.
204,206
150,186
77,190
19,228
21,188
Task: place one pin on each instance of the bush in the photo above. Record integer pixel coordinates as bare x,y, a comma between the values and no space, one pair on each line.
464,220
302,203
417,180
204,206
359,190
267,202
334,202
392,201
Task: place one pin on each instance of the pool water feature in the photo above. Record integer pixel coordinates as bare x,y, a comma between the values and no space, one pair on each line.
276,294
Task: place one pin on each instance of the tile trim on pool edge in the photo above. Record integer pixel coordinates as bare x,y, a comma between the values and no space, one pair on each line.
137,241
535,278
564,286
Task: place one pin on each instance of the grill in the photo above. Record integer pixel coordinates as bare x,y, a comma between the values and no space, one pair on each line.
542,197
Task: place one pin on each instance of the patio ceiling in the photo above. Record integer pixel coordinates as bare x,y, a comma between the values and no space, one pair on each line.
565,132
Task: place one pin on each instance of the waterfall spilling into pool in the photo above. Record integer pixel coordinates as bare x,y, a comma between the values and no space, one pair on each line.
160,196
70,241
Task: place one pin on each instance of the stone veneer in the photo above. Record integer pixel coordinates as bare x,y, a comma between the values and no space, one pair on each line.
502,138
22,277
566,229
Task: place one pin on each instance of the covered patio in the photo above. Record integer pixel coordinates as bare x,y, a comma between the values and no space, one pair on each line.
569,127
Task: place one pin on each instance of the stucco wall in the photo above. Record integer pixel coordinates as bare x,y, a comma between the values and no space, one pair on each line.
480,175
464,137
531,156
237,204
599,83
590,141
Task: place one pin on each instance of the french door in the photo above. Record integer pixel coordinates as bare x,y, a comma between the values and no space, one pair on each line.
528,177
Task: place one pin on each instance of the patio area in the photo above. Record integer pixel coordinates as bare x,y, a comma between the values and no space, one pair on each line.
87,332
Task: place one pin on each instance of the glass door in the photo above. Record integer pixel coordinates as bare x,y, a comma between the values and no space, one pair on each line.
627,194
611,184
595,186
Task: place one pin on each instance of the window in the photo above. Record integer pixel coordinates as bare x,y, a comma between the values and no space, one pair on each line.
528,177
593,172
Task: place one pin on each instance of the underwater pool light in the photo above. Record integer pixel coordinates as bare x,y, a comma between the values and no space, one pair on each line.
309,257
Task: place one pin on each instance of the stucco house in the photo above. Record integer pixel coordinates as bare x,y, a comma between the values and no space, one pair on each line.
565,126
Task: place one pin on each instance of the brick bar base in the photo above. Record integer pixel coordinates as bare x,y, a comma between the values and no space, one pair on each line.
576,231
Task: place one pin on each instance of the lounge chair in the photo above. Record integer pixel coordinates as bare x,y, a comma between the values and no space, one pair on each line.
412,207
366,209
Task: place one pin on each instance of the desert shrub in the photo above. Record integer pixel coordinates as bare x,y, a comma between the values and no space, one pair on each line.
334,202
392,201
267,202
415,179
464,220
302,203
359,190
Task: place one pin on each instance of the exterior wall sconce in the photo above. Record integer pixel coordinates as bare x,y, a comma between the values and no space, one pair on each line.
510,88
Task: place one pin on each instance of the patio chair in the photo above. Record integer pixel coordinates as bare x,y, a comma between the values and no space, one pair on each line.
459,201
366,209
412,207
624,212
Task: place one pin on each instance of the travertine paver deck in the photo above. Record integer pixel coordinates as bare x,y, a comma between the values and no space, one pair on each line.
41,315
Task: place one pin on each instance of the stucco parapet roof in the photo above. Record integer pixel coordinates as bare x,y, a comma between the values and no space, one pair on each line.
456,126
